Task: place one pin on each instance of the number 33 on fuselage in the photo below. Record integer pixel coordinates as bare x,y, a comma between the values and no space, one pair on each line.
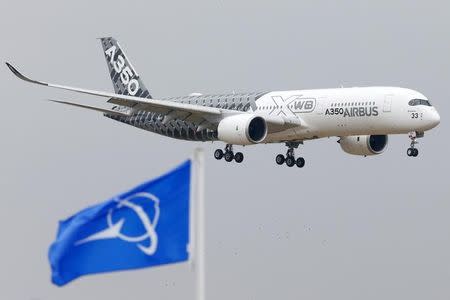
362,118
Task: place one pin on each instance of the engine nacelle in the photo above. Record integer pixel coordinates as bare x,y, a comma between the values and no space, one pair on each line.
364,144
243,129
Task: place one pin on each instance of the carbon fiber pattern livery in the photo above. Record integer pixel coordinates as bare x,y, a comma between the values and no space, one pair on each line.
126,81
240,102
183,128
117,62
176,128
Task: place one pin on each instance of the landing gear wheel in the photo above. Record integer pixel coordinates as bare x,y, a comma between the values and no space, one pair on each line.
280,159
218,154
290,161
300,162
410,151
229,156
238,157
413,151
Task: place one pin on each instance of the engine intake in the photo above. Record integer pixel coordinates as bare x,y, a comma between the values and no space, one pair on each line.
364,144
243,129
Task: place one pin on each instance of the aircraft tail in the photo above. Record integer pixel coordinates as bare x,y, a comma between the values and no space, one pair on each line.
125,79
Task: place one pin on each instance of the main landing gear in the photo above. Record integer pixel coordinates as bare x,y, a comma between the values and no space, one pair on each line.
229,155
412,150
290,158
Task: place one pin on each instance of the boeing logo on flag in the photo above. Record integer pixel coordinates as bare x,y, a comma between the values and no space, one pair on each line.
144,227
114,229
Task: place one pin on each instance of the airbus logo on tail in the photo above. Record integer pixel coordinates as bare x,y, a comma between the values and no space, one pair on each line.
126,73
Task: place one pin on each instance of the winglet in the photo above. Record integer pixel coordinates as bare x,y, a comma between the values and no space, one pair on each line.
21,76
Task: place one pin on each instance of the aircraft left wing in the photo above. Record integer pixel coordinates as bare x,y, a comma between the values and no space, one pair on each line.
190,112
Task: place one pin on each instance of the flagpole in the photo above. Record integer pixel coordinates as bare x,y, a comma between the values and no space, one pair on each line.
198,208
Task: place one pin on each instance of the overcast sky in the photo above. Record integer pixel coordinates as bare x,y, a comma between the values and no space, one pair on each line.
344,227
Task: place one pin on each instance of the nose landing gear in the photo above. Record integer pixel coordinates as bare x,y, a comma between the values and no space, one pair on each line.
229,155
290,157
412,150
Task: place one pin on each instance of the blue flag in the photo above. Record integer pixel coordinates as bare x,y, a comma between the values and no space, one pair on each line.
146,226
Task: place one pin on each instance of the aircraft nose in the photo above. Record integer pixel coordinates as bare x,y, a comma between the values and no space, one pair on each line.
435,119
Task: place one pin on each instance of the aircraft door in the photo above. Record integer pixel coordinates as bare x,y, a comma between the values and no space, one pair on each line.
387,103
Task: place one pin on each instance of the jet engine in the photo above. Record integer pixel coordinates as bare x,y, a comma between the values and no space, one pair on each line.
364,144
242,129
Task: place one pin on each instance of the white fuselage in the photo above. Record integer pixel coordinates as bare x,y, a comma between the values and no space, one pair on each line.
347,111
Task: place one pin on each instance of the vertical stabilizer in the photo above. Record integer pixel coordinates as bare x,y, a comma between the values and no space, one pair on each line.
125,79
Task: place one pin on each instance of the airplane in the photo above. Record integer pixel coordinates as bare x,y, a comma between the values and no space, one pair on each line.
361,117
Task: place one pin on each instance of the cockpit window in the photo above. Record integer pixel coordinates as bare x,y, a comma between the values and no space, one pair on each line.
415,102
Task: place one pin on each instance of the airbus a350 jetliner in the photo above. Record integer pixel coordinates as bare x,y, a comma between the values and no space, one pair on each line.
362,118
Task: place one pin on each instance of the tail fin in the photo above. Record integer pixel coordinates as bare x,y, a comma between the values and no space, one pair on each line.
125,79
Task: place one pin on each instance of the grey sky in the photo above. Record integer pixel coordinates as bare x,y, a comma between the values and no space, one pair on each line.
343,227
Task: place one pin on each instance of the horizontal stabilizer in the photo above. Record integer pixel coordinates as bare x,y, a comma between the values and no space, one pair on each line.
103,110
